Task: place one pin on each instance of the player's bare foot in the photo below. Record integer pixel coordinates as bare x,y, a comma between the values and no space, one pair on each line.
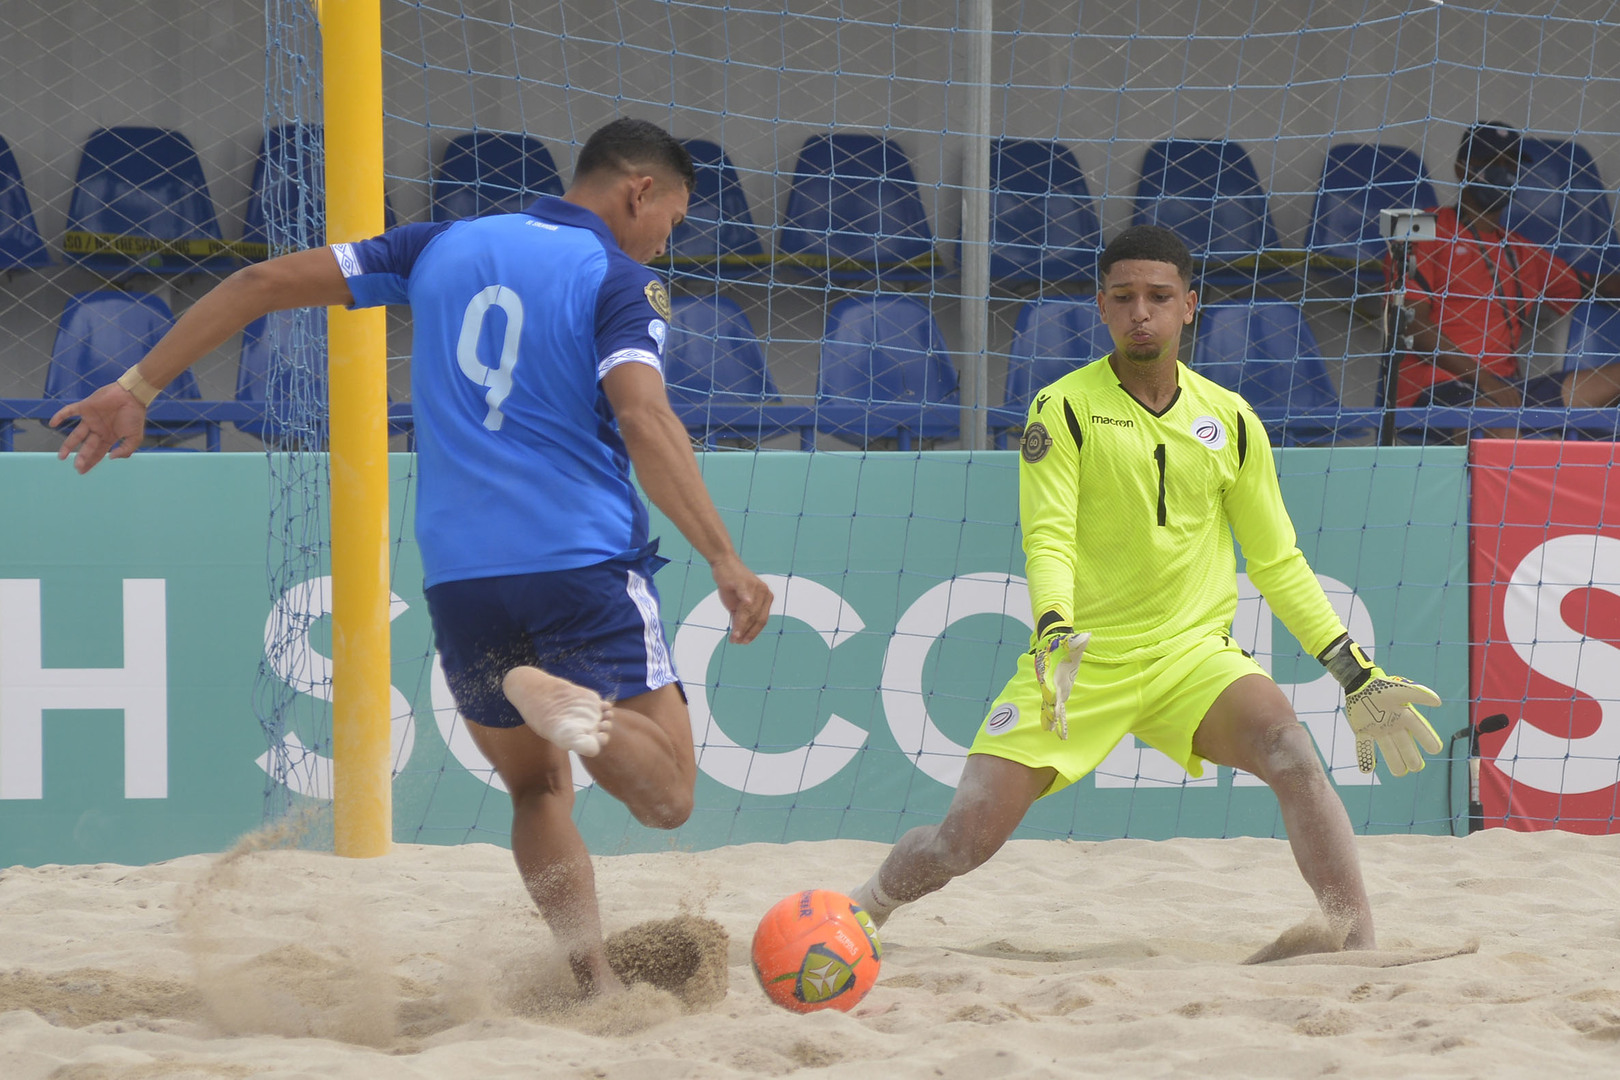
594,976
559,711
1315,935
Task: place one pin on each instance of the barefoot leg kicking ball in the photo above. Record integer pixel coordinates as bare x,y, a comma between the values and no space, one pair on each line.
816,950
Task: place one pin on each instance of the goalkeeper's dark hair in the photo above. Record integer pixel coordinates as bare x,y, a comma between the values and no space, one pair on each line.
628,144
1147,243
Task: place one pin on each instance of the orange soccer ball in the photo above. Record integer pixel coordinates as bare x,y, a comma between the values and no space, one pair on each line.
816,950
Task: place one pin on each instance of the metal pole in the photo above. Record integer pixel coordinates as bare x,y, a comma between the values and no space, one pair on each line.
362,792
975,300
1394,319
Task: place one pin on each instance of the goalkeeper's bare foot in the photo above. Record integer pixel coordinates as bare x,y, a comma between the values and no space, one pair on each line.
1315,935
561,712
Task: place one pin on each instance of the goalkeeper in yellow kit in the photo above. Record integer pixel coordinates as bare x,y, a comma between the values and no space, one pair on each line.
1135,475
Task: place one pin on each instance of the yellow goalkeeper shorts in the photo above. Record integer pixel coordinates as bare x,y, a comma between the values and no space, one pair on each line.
1161,701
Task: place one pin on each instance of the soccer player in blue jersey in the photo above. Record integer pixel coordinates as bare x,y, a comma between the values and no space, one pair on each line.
536,384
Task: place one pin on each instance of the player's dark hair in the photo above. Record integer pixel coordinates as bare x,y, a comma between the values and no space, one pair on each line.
1147,243
628,143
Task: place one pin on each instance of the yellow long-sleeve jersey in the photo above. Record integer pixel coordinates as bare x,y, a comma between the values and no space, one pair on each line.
1128,518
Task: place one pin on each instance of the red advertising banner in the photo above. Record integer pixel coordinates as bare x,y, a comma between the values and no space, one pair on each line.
1544,622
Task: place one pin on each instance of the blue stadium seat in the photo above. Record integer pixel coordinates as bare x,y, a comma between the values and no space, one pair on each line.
1594,336
1359,180
714,358
267,379
1208,193
718,234
492,172
288,183
1562,203
855,214
1043,221
714,353
140,204
1050,339
1265,351
103,333
885,373
21,247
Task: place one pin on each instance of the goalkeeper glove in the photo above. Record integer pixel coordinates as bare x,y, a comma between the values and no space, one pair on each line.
1380,711
1057,662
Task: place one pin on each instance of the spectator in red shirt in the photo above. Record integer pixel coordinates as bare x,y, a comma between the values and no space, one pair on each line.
1474,292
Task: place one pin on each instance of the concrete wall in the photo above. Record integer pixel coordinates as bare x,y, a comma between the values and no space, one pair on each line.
1285,79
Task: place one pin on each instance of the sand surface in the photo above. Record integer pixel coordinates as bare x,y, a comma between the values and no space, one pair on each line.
1500,956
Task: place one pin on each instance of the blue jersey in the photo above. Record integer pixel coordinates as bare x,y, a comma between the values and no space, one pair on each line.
516,319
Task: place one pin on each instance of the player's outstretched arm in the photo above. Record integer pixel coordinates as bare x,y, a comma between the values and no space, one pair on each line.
662,456
1379,706
1380,709
113,419
1048,492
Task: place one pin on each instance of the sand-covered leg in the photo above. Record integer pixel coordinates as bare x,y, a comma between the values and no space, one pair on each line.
556,869
1252,726
550,853
990,801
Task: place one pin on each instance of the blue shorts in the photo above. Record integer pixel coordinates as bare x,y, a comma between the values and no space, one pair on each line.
597,626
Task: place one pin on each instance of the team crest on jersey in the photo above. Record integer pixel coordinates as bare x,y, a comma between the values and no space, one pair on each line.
1004,719
1209,431
1036,442
658,297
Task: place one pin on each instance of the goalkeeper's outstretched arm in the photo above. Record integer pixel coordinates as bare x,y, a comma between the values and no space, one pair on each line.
1378,706
112,421
1048,491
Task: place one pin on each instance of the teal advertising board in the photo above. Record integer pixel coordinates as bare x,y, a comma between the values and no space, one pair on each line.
135,604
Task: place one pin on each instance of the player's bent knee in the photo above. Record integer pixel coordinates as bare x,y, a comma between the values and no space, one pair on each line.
1288,759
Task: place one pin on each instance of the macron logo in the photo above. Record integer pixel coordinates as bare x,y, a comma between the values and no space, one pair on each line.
548,226
1111,422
